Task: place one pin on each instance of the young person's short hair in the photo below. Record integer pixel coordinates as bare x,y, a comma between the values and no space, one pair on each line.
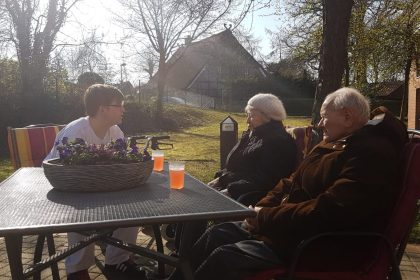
99,95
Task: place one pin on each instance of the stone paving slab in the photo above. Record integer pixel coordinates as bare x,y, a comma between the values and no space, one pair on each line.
410,264
60,241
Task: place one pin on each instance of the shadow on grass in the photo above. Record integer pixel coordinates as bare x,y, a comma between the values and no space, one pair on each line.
199,135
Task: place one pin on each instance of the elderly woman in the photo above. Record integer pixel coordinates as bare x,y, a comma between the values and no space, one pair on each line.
265,153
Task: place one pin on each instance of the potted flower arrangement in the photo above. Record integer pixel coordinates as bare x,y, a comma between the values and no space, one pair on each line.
88,167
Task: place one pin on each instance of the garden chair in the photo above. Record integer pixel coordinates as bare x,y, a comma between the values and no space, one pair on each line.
379,254
305,138
28,146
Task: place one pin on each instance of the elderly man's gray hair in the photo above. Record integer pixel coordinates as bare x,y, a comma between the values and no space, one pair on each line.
349,98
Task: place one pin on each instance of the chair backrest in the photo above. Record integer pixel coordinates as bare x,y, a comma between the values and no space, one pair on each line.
399,227
306,138
28,146
407,206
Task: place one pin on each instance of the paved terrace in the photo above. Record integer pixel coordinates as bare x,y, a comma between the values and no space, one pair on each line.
410,265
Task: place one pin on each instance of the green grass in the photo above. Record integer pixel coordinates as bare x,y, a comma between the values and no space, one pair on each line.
6,169
199,145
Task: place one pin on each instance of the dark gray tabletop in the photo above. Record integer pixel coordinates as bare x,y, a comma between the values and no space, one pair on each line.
30,205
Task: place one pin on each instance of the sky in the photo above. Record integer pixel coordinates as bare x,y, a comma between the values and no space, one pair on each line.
98,14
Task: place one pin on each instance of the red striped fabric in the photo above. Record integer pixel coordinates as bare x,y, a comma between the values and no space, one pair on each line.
49,134
11,140
37,145
29,146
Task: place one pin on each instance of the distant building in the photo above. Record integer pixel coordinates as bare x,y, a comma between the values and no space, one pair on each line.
202,71
393,90
126,88
414,96
387,93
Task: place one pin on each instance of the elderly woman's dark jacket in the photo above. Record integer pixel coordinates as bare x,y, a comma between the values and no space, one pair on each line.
259,160
348,184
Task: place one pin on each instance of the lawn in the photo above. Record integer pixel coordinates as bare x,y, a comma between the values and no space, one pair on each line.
198,144
6,168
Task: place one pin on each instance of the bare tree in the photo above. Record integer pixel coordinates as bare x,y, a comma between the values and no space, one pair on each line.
166,22
89,56
33,31
149,65
4,34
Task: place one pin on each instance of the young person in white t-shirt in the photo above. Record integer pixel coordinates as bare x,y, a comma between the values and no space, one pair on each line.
104,106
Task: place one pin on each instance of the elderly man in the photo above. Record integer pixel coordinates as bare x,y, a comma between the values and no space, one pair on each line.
345,183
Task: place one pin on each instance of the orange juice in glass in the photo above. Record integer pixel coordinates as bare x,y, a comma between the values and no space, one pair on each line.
176,174
157,156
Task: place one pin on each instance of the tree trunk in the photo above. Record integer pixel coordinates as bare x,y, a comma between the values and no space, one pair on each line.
360,53
404,100
336,20
32,77
161,87
411,55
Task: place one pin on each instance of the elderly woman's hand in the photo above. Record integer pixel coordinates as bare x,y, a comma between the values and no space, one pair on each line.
225,192
213,183
251,224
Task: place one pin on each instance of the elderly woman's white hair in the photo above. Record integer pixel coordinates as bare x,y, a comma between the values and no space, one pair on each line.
351,98
268,104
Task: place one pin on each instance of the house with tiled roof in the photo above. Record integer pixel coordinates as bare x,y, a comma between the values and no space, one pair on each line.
207,67
389,90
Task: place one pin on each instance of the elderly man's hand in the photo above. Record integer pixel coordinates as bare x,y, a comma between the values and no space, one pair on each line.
251,224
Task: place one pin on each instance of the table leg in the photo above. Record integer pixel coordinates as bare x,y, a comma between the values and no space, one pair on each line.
190,232
14,254
51,252
38,254
159,247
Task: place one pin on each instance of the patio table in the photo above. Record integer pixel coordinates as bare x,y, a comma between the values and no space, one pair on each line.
29,205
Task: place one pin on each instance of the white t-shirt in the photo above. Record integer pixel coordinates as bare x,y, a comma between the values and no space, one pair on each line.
81,128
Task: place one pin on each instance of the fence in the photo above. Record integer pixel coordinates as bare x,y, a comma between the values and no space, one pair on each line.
189,98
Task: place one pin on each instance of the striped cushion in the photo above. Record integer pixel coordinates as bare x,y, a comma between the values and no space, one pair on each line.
30,145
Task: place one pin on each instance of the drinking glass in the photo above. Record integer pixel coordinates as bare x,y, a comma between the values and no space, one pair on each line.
157,156
176,174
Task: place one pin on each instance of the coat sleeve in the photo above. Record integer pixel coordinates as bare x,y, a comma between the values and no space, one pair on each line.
277,194
360,192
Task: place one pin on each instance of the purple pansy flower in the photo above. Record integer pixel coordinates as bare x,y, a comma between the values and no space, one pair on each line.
79,152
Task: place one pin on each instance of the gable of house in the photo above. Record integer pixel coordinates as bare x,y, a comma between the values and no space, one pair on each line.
206,64
392,90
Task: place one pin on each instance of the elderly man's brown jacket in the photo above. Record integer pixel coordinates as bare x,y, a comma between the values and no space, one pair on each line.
348,184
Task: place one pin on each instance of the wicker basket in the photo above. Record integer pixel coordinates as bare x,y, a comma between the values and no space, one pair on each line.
96,178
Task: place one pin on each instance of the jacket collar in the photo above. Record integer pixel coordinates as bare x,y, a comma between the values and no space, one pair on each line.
266,128
382,121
